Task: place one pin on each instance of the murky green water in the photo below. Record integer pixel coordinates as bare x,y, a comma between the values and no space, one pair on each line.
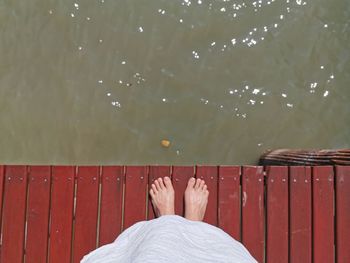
103,82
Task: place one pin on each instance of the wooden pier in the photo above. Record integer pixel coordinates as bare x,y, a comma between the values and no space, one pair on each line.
294,214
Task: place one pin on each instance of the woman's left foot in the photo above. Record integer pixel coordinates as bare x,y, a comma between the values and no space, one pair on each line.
163,196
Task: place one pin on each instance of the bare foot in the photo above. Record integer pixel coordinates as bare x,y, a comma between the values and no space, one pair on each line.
163,196
196,199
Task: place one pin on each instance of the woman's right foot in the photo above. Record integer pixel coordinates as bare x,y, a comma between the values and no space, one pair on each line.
196,199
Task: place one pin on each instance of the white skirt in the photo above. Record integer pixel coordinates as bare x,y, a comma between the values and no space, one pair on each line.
171,239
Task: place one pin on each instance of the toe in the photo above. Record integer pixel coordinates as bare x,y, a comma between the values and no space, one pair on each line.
198,182
161,183
156,183
151,192
201,184
205,187
154,188
191,182
168,183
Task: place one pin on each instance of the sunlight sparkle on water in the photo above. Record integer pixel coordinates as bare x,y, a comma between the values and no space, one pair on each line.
256,91
205,101
116,104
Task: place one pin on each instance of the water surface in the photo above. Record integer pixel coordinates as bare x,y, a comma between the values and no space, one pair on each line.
104,81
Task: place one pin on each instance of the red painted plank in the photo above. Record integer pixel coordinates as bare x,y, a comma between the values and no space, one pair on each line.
323,207
39,184
277,214
300,214
2,175
253,211
85,228
229,214
180,177
210,175
14,214
343,213
154,173
136,179
112,180
62,194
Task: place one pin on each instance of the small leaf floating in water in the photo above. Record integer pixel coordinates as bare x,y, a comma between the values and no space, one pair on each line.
165,143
